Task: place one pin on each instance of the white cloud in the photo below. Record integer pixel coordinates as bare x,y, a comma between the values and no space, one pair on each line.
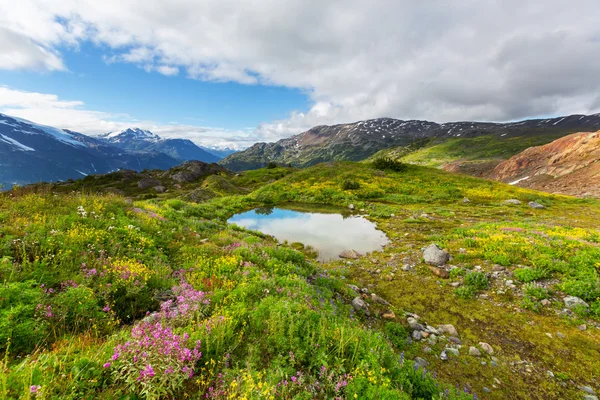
48,109
458,60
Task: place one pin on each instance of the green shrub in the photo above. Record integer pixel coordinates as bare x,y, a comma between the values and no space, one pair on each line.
476,280
385,163
272,165
397,334
349,184
535,291
527,274
465,292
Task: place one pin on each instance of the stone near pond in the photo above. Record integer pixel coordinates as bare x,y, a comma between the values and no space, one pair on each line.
535,205
474,351
434,255
388,315
358,304
582,327
416,335
349,254
587,389
160,189
441,272
486,347
421,362
512,201
453,351
572,301
351,206
545,302
455,340
449,329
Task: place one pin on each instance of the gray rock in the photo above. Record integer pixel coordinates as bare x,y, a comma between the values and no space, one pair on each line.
590,397
535,205
427,349
466,200
546,302
512,201
453,351
354,287
358,304
587,389
434,255
560,335
413,324
349,254
351,206
444,356
582,327
486,347
379,300
160,189
421,362
455,340
486,390
572,301
474,351
417,335
449,329
550,374
147,182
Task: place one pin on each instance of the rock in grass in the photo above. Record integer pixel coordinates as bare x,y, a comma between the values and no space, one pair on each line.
349,254
572,301
388,315
358,304
590,397
466,200
417,335
453,351
449,329
421,362
535,205
587,389
444,356
512,201
379,300
441,272
434,255
486,347
474,351
351,206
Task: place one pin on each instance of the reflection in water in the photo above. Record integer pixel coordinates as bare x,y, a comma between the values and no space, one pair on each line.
329,234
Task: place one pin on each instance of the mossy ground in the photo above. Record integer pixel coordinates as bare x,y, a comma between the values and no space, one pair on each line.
44,239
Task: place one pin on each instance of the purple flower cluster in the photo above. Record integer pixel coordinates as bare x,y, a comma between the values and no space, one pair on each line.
154,352
187,302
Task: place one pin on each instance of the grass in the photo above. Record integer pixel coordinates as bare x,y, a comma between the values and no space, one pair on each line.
79,270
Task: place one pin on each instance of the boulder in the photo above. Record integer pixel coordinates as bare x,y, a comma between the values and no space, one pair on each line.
358,304
474,351
349,254
512,201
148,182
535,205
449,329
572,301
486,347
434,255
160,189
388,315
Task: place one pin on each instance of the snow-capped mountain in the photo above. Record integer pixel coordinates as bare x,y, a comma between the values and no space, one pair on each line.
219,152
136,139
31,152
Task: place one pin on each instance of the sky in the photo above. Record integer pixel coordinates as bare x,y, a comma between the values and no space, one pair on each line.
231,73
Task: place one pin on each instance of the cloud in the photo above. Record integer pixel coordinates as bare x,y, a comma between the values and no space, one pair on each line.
459,60
48,109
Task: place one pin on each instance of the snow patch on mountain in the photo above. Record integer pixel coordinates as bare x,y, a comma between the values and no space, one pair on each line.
16,144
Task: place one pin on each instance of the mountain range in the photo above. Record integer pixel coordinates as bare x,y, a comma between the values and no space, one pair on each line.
360,140
31,152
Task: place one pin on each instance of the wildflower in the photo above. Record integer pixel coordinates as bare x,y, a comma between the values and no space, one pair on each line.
106,365
34,389
106,308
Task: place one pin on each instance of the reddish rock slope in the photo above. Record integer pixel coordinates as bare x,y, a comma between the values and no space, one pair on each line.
569,165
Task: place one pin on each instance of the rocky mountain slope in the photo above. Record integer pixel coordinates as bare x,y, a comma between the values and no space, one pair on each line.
359,140
135,139
31,152
569,165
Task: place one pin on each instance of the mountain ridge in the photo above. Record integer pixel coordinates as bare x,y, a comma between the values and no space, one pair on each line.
359,140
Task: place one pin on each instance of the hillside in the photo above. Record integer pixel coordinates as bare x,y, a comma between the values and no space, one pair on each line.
360,140
82,271
569,165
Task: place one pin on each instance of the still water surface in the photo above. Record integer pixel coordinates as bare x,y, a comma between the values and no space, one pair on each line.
328,232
